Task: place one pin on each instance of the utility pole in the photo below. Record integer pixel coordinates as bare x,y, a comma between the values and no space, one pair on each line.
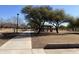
17,22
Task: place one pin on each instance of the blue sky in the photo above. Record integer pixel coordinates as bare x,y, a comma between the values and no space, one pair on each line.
8,11
11,10
69,9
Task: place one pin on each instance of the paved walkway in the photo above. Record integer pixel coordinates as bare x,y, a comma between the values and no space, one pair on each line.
19,46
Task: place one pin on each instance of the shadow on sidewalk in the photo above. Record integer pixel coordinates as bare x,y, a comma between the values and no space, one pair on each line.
61,46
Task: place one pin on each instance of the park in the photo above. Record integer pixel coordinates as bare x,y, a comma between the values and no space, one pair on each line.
47,30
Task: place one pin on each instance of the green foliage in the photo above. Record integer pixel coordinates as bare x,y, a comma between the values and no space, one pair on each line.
57,17
62,27
36,15
73,23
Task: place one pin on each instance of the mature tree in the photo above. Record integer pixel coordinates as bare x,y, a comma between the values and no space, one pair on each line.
1,23
37,15
77,23
57,17
74,24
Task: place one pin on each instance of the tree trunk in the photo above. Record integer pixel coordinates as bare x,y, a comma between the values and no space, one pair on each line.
57,30
39,30
14,30
75,28
57,26
50,29
41,27
72,29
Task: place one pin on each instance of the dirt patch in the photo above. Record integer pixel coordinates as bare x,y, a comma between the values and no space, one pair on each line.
40,41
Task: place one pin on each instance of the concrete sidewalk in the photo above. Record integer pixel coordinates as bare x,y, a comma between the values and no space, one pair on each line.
19,46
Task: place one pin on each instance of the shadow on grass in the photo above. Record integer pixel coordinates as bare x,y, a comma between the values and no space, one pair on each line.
61,46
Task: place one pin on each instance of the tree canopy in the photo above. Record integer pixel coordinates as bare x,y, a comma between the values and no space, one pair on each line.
38,15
